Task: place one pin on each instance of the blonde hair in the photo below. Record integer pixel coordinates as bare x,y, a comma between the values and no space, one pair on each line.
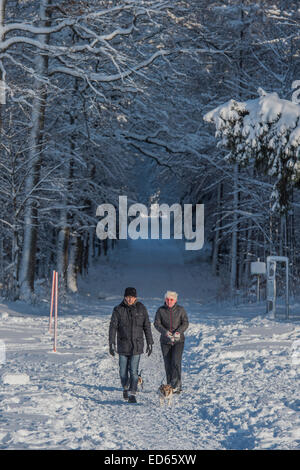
171,295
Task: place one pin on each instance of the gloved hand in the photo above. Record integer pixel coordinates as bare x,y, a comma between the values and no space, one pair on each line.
149,349
170,337
112,349
177,336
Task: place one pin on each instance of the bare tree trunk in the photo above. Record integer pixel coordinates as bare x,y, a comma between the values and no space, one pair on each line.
282,240
248,250
73,265
2,22
236,195
234,237
28,260
85,254
2,111
15,252
1,263
271,231
91,252
64,228
62,249
292,244
215,256
2,77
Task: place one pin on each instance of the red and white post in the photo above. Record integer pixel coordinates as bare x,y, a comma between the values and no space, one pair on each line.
52,300
55,311
54,306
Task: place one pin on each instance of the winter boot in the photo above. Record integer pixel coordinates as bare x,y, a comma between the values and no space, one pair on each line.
125,394
131,399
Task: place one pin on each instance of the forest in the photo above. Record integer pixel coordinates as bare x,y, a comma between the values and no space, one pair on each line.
89,89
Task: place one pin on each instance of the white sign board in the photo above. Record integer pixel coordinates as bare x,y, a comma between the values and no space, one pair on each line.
258,267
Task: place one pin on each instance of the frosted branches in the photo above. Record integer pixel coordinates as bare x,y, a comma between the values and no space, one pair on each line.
95,41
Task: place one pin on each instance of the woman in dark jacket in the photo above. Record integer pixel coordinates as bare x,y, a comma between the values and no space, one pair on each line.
171,321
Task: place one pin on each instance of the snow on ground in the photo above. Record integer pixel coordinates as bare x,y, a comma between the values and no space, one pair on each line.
240,366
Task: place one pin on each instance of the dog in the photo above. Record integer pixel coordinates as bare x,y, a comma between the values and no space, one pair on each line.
165,394
140,381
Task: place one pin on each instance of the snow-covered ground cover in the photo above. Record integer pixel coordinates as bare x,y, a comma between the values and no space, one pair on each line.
240,366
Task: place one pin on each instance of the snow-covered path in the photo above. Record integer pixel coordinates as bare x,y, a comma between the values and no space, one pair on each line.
241,380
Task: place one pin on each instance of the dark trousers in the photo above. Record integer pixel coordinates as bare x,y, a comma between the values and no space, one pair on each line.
172,355
128,367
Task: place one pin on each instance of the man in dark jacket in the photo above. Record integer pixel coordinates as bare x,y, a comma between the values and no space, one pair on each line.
129,323
171,321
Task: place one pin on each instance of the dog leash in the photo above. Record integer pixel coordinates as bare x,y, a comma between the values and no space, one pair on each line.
162,381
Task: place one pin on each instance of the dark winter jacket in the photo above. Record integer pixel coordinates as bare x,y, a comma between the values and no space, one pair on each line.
171,319
129,323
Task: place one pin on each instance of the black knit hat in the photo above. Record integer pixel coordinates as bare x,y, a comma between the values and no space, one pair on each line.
130,292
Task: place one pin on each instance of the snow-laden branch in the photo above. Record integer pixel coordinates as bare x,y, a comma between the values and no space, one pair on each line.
109,36
6,44
37,30
71,56
134,6
100,77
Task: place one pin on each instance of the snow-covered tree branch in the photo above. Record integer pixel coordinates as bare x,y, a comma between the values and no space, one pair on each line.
264,132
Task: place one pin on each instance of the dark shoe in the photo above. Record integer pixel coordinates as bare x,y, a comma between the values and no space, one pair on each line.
177,390
125,394
131,399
